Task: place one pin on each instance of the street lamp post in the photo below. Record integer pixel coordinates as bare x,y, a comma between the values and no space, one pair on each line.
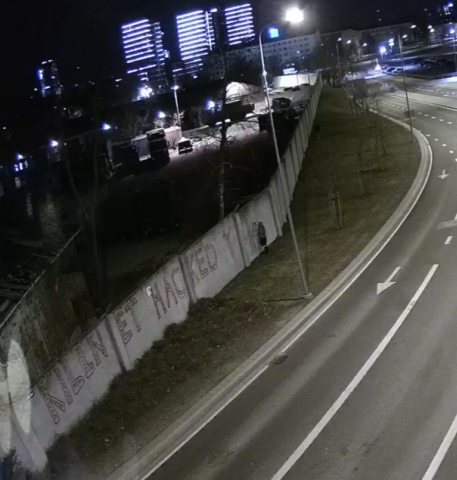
455,55
175,91
400,44
338,56
293,16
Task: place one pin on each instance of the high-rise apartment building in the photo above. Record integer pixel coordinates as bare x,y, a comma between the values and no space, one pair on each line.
144,53
48,75
200,32
196,37
239,24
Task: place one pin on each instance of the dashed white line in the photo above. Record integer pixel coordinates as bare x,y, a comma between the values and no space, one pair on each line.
451,151
448,240
449,123
444,145
427,134
441,120
441,453
323,422
426,114
433,118
436,140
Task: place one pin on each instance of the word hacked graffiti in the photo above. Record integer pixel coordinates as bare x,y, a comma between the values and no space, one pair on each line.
66,380
165,291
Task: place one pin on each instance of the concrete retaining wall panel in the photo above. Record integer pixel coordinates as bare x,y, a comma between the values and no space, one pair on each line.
142,319
73,385
215,259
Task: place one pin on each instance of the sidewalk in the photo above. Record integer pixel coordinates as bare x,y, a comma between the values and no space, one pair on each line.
222,332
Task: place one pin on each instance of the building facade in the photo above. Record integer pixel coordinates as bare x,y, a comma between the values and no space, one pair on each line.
144,54
286,51
239,24
201,32
48,75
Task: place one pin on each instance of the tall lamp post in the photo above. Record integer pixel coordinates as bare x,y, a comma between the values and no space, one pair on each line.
338,55
175,92
455,55
294,16
400,44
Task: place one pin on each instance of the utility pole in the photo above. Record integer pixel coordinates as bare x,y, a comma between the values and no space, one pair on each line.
404,83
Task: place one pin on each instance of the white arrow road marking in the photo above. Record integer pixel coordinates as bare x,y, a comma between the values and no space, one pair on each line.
388,283
448,240
340,401
443,175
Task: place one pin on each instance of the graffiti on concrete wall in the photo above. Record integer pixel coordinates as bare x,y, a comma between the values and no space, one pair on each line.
63,383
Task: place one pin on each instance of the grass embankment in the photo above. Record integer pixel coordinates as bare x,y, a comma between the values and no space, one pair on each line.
222,332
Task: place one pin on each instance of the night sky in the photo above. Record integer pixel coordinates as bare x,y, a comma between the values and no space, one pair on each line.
85,33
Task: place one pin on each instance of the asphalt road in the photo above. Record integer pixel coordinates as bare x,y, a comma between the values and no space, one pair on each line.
370,391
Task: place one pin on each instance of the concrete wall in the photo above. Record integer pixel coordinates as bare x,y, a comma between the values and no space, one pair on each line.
214,261
143,317
34,412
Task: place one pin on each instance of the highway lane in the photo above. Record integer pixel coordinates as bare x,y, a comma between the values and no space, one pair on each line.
392,424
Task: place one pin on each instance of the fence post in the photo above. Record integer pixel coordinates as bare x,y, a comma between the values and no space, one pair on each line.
241,240
118,344
188,281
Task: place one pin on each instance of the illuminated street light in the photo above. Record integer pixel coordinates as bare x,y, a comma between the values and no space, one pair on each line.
54,143
339,40
294,15
432,30
106,127
210,105
19,156
413,26
175,89
365,45
348,42
405,36
429,27
161,114
452,32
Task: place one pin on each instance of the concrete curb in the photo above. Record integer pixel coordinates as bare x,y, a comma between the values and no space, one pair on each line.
157,452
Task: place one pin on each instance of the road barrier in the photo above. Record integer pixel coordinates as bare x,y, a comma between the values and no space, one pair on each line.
34,417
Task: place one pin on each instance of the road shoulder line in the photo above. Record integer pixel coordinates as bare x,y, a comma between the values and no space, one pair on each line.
188,425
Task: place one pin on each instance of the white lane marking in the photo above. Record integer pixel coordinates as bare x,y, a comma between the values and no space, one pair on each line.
200,427
451,151
427,134
323,422
316,316
441,453
449,123
448,240
455,218
441,120
436,140
388,283
433,117
426,114
444,145
445,95
420,113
